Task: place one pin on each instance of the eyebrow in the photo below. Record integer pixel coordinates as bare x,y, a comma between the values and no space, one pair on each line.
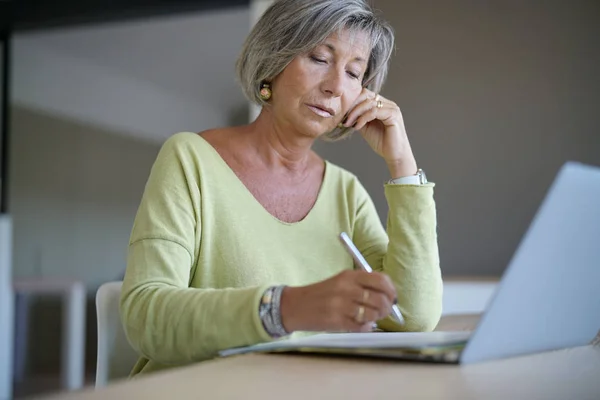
332,48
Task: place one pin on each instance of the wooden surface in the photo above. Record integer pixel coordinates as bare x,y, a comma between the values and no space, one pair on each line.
564,374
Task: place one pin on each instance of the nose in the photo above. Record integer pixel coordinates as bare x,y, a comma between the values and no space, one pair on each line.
332,84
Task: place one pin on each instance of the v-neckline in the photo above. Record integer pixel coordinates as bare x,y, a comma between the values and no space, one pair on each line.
230,170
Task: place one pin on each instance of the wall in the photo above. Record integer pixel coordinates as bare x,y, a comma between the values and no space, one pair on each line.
174,72
75,189
496,95
74,193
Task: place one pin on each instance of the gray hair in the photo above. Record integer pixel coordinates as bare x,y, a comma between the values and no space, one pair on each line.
292,27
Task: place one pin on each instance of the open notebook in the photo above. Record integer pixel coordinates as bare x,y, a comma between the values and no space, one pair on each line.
430,346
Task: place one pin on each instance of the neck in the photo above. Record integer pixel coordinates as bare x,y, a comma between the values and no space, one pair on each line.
279,145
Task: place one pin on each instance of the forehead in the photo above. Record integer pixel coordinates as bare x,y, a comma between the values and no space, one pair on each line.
353,43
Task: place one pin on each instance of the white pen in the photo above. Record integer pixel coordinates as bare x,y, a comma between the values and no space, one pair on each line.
360,260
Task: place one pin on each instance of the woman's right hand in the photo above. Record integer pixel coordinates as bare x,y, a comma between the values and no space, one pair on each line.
351,301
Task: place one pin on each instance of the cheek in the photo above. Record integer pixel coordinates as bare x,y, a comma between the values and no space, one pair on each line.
299,76
351,97
293,85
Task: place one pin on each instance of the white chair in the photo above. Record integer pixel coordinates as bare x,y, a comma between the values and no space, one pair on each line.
116,357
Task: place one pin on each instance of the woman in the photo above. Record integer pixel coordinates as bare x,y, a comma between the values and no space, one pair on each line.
236,239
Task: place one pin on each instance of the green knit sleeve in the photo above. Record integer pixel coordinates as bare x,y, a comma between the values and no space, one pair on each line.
165,320
407,252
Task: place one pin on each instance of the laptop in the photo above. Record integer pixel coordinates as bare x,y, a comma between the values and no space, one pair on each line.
548,297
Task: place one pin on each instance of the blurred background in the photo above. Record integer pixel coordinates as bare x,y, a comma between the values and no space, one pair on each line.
496,96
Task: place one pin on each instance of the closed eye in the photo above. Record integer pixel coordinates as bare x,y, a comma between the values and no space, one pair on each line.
352,74
318,60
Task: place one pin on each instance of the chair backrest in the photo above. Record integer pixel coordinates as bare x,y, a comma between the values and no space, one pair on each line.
116,357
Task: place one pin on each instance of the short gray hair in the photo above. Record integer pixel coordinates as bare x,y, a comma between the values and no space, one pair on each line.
292,27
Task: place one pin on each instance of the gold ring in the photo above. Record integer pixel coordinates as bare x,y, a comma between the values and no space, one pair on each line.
379,104
365,296
360,314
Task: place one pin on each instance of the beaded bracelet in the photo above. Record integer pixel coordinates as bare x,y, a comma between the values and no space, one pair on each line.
270,312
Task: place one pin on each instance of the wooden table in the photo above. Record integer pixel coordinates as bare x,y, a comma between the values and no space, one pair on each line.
563,374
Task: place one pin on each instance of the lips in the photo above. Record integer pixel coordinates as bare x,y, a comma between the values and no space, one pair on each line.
321,110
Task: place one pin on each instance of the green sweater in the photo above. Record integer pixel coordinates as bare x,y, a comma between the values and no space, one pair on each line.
203,250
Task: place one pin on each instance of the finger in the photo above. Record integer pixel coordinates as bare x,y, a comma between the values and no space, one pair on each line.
354,326
368,327
384,111
363,99
365,118
369,109
377,282
381,114
376,301
357,317
361,107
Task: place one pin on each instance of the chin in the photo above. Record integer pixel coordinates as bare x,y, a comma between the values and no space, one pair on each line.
315,129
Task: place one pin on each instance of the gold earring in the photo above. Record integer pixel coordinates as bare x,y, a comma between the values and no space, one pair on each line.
265,91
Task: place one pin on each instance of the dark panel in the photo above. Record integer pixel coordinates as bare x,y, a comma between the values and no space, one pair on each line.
4,14
4,117
38,14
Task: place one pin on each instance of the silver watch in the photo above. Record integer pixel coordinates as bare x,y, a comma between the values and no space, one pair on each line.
418,179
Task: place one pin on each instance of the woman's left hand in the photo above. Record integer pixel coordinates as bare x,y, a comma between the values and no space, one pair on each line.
380,122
